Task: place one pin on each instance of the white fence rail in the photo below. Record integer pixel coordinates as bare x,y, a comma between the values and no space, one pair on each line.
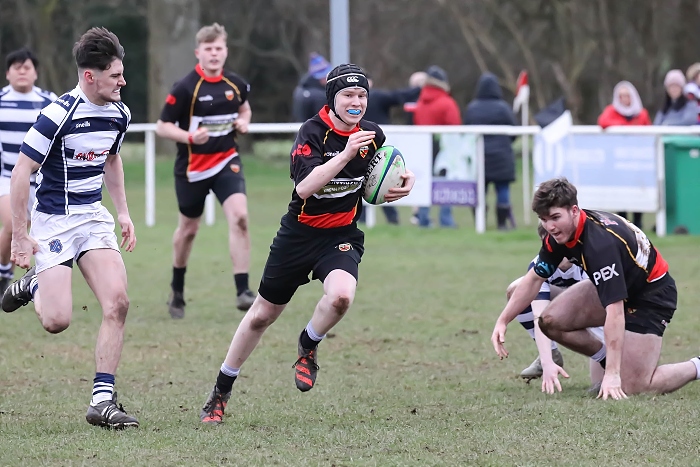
479,130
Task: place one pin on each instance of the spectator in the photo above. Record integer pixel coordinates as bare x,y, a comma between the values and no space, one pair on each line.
626,109
489,108
677,108
692,88
692,75
435,106
416,80
310,94
379,104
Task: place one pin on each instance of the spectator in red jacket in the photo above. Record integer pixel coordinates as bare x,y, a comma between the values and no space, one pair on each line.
436,106
626,109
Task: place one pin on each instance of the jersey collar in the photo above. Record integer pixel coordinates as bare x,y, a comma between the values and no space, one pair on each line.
208,79
325,116
579,229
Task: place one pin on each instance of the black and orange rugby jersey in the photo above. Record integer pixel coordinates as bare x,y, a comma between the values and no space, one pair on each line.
617,256
339,202
210,102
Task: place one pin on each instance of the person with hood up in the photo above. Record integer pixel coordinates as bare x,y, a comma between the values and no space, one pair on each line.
310,94
489,108
677,108
436,106
626,109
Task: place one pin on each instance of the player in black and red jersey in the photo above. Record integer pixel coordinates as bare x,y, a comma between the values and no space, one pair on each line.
318,234
203,113
630,293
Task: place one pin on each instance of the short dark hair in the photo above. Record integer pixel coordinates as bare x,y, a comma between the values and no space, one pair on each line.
97,49
541,231
554,193
20,56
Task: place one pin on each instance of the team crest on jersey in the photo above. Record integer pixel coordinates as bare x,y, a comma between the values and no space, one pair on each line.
55,246
363,151
235,168
345,247
229,94
607,221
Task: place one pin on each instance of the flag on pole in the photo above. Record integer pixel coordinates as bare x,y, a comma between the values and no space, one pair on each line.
522,91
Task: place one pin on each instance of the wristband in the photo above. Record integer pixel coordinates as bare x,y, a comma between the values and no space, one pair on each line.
190,138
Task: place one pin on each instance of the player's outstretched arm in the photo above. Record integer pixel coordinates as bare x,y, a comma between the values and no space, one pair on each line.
23,246
114,181
523,295
550,370
614,330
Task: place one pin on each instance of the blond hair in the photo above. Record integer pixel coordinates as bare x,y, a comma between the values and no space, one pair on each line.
211,33
693,71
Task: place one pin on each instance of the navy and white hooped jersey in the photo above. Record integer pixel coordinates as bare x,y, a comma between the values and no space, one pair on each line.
563,279
18,112
71,140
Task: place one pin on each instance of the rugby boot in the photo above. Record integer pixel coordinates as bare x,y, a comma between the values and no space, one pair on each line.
176,305
108,414
18,294
213,411
305,368
245,300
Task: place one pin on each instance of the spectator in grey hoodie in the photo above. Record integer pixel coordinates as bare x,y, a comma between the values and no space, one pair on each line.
677,108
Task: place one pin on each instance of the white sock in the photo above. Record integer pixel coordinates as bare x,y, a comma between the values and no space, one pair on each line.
554,346
312,333
599,355
228,371
6,271
696,361
34,286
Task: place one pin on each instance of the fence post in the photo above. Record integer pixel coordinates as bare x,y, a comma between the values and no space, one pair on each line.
480,185
661,183
525,144
210,209
150,143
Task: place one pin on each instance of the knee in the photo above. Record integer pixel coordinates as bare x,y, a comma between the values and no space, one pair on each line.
261,317
240,221
118,308
55,324
340,302
188,231
547,324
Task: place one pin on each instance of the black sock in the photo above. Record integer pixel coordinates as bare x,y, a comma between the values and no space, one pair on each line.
241,282
225,382
178,283
602,362
307,342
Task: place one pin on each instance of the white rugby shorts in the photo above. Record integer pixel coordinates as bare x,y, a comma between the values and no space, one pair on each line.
64,237
598,333
5,191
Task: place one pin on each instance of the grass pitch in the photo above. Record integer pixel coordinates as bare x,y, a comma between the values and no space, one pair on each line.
409,377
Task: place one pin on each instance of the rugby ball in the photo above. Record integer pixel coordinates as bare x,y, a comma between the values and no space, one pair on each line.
384,172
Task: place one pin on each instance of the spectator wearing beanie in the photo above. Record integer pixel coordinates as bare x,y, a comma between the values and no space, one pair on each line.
677,108
436,106
310,94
